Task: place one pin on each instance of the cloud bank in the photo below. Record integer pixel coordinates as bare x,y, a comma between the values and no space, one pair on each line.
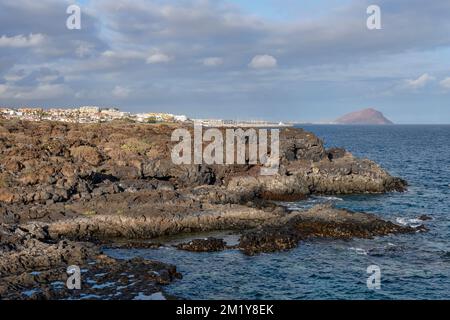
216,59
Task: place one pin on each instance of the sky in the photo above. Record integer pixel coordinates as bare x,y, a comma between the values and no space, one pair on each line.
281,60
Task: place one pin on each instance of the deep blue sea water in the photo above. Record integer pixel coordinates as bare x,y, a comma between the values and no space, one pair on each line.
413,266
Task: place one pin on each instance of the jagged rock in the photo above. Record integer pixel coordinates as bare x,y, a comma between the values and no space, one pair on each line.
336,153
319,222
31,265
78,157
62,184
203,245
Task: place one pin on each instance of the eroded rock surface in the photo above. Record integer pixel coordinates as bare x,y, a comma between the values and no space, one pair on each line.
44,164
321,221
34,266
67,188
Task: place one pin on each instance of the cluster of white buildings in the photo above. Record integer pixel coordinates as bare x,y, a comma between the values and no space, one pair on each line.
95,114
86,114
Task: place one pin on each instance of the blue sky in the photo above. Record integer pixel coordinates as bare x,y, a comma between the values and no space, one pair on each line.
298,60
289,10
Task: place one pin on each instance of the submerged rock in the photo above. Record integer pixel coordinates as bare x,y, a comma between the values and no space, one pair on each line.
203,245
424,217
321,221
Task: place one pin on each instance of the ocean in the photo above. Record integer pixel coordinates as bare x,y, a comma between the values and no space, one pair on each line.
414,266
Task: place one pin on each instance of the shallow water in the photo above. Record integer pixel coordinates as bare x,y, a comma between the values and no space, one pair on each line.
413,266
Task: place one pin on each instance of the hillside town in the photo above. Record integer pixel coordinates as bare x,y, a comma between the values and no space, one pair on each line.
86,114
95,114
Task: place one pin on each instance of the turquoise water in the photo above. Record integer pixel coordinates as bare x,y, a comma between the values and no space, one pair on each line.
413,266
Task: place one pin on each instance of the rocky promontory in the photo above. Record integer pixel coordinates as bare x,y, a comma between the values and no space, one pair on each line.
67,190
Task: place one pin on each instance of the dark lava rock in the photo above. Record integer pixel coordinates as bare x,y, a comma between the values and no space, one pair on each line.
424,217
389,250
319,222
49,163
336,153
266,240
33,266
203,245
62,184
102,278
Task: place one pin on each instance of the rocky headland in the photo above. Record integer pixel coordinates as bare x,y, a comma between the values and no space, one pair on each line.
69,190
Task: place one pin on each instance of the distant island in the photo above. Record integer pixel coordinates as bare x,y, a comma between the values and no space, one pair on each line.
366,116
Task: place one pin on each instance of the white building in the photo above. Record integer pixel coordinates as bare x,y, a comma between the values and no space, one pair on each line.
89,109
181,118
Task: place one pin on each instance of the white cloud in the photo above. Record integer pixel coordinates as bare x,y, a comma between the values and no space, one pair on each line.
39,92
158,58
212,62
140,31
14,76
445,83
3,89
125,55
47,78
420,82
21,41
121,92
263,62
84,49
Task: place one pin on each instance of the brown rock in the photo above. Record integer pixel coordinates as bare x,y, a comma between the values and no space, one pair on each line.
86,153
6,196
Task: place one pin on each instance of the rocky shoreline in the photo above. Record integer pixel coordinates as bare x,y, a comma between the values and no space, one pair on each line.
66,190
